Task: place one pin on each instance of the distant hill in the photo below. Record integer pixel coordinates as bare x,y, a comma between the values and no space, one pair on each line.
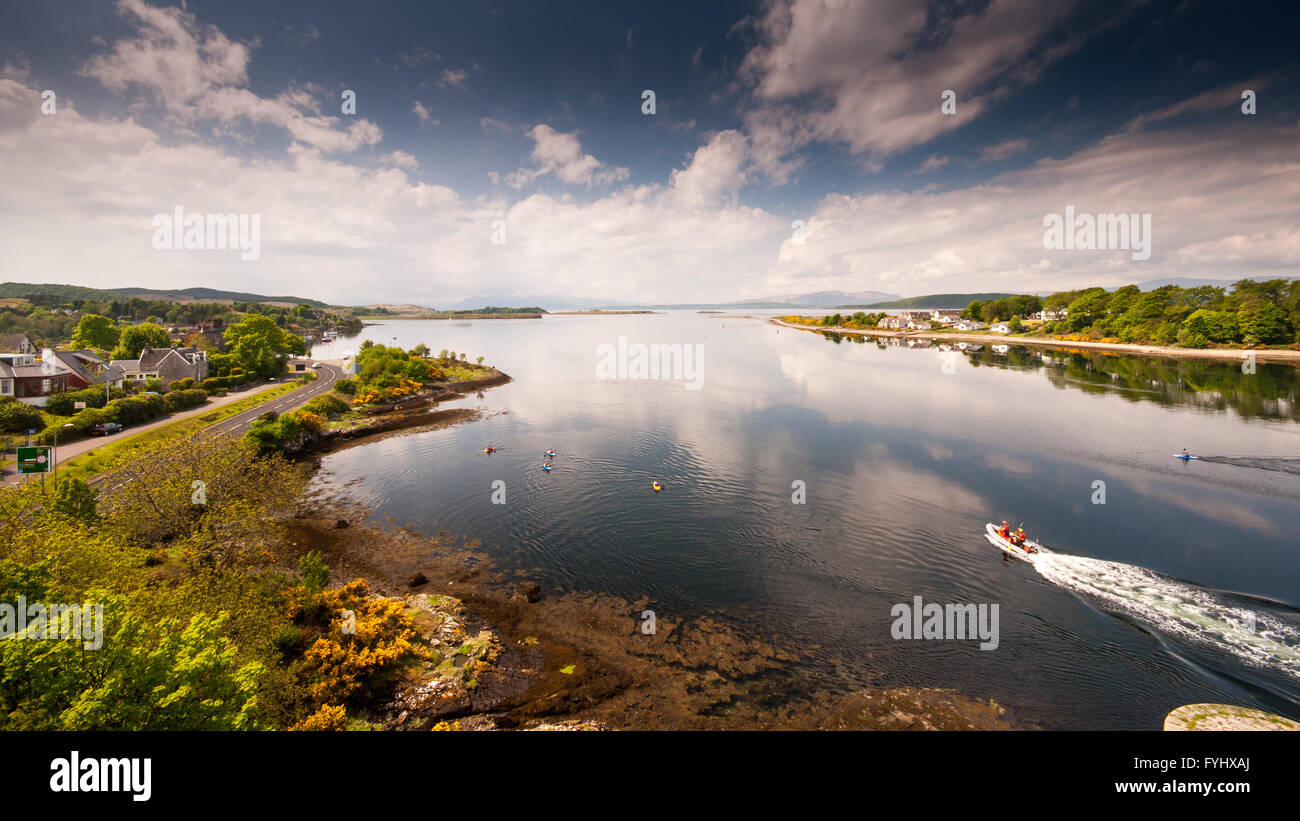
26,289
826,299
932,301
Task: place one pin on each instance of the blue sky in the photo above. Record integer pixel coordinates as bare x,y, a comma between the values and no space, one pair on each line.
823,111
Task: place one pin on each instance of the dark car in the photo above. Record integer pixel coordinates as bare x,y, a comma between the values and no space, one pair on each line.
104,428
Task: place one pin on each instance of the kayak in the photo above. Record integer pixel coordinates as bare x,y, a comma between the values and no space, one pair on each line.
547,468
550,453
489,450
1185,456
658,487
1019,551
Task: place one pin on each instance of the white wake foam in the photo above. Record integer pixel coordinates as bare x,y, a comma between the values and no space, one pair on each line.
1178,608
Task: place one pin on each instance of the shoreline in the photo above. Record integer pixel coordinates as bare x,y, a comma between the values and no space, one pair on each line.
563,659
1160,351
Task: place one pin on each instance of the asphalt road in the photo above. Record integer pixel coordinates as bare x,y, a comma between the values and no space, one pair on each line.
236,425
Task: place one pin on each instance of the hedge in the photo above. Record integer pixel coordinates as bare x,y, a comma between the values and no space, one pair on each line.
184,399
61,404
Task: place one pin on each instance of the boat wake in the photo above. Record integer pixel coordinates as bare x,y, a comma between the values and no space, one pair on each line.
1280,464
1220,620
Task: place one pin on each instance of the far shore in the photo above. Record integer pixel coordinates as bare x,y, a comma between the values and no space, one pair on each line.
601,311
1231,354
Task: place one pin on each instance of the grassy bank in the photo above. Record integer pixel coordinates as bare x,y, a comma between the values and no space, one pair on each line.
91,464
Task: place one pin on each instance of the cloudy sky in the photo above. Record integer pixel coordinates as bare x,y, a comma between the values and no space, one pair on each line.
825,112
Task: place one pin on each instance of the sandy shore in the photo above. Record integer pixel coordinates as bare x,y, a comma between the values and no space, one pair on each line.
1221,354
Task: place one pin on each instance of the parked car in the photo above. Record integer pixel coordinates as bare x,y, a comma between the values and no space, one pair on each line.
105,428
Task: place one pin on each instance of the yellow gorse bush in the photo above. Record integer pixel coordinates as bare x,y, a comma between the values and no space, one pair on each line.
380,637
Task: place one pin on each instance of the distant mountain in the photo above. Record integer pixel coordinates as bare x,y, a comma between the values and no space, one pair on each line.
933,301
26,289
827,299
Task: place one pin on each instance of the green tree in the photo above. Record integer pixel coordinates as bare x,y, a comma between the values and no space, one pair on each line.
76,499
1263,323
95,331
136,338
256,343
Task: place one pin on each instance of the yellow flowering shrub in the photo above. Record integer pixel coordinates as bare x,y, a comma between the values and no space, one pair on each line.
328,717
367,639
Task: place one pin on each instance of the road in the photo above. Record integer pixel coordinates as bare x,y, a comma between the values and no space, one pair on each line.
238,424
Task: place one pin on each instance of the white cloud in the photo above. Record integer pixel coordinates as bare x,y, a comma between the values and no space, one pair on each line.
561,154
454,77
422,113
1004,149
196,73
714,174
1222,206
870,75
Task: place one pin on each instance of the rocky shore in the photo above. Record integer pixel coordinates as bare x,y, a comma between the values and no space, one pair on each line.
508,654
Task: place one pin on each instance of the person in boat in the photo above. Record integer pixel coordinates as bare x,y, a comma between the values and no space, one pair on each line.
1018,538
1005,530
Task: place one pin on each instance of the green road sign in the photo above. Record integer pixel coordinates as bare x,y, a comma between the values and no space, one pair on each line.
34,460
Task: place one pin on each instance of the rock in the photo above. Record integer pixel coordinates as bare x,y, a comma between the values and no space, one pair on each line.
341,523
418,579
530,592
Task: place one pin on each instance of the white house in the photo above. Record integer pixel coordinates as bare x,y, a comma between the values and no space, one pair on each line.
968,325
1000,328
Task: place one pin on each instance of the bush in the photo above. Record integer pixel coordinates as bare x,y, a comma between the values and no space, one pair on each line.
327,406
136,409
347,387
315,574
17,417
61,404
177,400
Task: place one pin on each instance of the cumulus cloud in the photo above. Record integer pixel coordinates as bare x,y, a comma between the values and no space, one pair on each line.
715,174
197,73
422,113
561,154
1222,205
870,75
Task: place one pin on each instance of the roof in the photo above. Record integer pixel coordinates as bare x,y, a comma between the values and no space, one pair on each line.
10,342
76,362
150,358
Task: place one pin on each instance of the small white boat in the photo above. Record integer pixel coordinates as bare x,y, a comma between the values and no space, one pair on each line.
1022,552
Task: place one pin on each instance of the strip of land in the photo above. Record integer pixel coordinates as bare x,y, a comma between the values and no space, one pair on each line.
1233,354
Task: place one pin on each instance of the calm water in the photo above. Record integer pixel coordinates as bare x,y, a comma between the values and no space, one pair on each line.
1183,587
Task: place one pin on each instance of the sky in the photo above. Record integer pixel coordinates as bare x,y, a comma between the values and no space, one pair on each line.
508,148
